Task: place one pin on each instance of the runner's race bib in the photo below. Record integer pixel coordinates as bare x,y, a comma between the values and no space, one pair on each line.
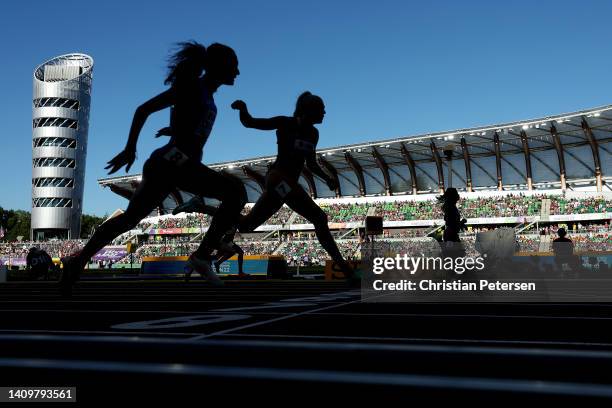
38,260
282,189
175,156
303,146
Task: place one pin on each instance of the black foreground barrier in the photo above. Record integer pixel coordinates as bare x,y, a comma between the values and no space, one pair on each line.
116,369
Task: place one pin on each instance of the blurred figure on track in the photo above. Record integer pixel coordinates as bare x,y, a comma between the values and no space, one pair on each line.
39,262
453,223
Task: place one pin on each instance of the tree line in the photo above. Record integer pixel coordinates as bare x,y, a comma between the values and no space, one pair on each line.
17,223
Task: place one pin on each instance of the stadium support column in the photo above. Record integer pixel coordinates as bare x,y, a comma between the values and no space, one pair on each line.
411,167
310,181
256,177
560,155
384,168
595,149
527,160
178,198
468,167
438,160
500,184
356,167
333,172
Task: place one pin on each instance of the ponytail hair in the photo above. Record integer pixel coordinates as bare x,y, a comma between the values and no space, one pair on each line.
187,63
304,101
449,198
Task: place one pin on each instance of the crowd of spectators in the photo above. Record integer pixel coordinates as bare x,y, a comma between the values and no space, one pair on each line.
258,247
529,243
511,205
592,242
575,228
305,250
340,213
301,245
187,221
311,253
181,247
55,248
587,205
279,218
406,233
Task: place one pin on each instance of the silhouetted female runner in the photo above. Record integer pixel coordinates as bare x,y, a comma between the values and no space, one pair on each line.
177,164
297,140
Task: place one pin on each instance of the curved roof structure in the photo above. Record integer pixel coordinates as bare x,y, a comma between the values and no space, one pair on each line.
565,151
64,68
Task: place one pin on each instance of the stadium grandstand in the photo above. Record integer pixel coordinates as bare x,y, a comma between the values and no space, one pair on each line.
533,175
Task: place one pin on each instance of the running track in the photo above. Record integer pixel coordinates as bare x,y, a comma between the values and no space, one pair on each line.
309,340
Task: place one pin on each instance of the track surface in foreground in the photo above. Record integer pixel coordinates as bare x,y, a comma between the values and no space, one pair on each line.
261,339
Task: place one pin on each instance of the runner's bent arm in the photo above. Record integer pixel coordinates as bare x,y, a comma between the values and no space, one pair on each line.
157,103
128,155
257,123
313,166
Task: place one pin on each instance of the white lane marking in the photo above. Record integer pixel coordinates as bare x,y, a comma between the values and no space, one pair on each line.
87,332
423,339
248,326
296,302
180,321
206,319
252,311
319,345
129,311
117,335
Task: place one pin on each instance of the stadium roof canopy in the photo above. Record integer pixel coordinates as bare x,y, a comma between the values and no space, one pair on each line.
565,151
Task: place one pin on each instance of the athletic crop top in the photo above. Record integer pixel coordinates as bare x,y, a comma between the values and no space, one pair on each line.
295,145
191,119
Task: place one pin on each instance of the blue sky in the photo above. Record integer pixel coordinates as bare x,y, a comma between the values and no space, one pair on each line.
384,69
